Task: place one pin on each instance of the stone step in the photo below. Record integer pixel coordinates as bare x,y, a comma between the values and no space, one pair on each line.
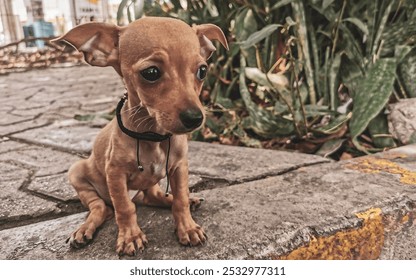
363,208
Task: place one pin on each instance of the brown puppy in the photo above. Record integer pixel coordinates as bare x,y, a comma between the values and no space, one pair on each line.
162,63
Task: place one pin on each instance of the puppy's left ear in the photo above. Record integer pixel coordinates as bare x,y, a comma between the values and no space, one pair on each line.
97,41
206,33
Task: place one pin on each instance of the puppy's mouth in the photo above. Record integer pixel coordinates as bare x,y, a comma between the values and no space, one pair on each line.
185,130
179,128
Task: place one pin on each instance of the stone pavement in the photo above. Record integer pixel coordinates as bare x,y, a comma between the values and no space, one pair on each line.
259,204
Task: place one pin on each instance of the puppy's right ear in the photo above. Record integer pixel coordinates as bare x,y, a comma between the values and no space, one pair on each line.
97,41
206,33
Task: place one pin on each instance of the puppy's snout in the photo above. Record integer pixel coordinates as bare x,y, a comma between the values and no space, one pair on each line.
191,118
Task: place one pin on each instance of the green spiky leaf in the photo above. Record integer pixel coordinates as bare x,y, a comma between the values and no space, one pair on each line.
335,125
280,4
357,22
256,37
407,74
326,3
371,95
330,147
379,131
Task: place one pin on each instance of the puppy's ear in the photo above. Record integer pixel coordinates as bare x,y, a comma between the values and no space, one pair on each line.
98,42
206,33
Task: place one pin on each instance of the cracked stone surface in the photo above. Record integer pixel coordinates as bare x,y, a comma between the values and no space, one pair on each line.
68,137
56,186
257,219
239,165
17,204
46,96
42,160
7,130
36,117
6,145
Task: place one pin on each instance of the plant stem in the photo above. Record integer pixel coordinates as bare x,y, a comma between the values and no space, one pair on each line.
334,45
295,76
303,47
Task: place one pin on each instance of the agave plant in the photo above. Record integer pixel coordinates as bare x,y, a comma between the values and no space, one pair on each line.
313,74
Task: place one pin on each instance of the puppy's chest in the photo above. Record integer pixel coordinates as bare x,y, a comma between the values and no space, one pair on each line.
147,169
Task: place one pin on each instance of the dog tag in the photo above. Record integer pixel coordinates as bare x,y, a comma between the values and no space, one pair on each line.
140,167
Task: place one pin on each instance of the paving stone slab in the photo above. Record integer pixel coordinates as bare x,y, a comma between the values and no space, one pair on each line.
42,161
33,123
100,105
227,163
72,137
33,178
16,204
9,96
236,164
31,111
6,118
45,240
56,186
348,209
66,112
7,145
46,92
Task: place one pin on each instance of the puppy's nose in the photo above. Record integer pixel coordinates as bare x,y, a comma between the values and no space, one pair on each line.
191,118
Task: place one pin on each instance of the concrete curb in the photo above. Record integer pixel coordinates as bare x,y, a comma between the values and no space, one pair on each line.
325,211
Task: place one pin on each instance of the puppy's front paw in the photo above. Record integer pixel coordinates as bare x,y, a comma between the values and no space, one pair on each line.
191,234
195,203
130,240
82,236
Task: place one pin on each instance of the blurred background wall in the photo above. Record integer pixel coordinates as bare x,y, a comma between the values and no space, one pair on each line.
45,18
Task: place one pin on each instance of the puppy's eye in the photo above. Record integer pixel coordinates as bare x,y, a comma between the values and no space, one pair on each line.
202,72
151,74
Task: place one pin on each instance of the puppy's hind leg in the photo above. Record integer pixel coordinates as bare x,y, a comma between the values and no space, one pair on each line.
99,212
154,196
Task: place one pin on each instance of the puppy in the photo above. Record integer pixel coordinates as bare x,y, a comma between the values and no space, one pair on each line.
162,62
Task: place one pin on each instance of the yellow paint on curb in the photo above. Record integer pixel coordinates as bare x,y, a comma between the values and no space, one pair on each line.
365,242
377,165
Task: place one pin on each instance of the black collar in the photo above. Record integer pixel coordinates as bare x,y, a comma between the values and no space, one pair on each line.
146,136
